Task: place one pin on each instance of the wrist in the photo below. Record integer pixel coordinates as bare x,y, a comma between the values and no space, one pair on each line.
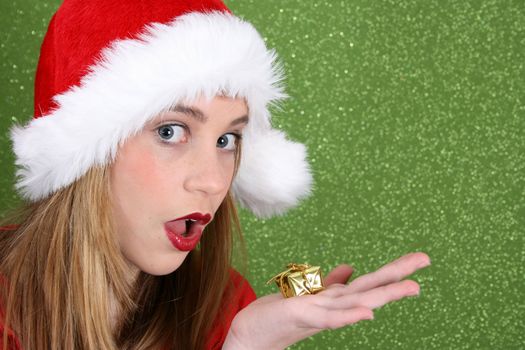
232,341
235,341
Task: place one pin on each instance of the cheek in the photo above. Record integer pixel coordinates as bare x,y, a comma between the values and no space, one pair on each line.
137,172
228,165
139,181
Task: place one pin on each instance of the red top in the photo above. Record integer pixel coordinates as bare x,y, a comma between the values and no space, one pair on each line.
244,295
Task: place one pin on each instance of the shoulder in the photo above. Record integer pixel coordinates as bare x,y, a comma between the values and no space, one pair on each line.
239,294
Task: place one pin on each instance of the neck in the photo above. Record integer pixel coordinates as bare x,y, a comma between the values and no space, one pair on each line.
115,308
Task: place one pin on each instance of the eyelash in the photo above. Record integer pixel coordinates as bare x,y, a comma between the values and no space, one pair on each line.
238,136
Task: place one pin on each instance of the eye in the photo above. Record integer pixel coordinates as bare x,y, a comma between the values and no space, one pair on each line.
228,141
171,133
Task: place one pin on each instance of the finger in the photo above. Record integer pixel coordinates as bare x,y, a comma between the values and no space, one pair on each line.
340,274
371,299
404,266
390,273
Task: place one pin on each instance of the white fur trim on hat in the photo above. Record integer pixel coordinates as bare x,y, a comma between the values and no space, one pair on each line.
196,54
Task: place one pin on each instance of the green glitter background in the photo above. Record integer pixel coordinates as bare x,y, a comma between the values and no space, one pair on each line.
413,114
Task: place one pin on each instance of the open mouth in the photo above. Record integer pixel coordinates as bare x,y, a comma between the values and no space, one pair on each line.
189,223
184,233
184,228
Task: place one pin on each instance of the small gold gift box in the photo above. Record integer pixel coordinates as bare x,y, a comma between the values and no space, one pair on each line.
299,279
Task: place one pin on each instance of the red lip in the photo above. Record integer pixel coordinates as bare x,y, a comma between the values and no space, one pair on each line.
203,218
176,228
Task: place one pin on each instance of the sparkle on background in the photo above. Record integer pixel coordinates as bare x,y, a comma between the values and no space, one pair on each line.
413,114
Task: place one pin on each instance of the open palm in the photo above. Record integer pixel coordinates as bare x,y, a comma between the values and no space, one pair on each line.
274,322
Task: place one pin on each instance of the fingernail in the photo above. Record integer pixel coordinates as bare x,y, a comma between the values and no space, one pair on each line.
423,263
414,293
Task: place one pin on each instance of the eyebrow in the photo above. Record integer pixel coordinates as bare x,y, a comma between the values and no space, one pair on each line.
198,115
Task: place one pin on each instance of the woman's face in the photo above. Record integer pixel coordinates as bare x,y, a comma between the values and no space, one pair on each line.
181,164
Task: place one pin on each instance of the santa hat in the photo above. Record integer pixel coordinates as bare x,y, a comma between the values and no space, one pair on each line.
107,67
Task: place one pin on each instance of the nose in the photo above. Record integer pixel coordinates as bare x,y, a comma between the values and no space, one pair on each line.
207,173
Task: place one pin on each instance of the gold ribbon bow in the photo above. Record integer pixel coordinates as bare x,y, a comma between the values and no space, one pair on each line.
299,279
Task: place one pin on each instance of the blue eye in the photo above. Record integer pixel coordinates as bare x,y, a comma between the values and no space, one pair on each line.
171,133
228,141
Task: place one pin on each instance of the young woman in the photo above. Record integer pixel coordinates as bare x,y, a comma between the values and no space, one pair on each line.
151,118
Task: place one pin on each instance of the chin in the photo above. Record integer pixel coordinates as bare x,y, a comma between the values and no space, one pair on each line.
162,267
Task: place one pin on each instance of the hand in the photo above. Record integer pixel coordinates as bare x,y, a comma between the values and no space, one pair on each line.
274,322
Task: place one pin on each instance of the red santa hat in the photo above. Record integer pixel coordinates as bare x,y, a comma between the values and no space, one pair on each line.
107,67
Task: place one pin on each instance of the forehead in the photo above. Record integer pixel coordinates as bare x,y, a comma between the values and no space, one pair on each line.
231,110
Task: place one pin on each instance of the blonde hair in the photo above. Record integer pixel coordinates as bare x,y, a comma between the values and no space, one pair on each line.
62,265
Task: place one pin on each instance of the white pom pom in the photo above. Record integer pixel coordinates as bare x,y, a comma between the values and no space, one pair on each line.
274,174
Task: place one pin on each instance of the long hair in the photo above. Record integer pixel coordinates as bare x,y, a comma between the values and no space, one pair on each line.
62,266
